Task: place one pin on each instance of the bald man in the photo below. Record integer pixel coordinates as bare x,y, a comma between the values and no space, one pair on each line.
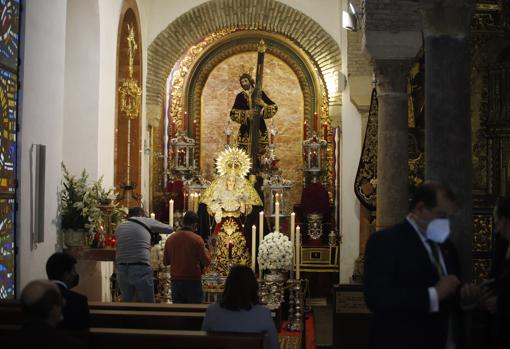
41,303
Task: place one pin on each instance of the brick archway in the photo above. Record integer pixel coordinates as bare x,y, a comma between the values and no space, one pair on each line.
270,15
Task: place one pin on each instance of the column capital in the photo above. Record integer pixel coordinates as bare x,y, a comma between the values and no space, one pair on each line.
391,76
446,17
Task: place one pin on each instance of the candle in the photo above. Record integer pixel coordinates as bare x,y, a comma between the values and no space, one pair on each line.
253,244
325,130
292,226
230,245
315,121
185,122
305,129
298,252
190,202
277,216
171,212
261,226
153,215
195,203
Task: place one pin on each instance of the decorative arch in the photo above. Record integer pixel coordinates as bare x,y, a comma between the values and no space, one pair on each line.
216,15
123,174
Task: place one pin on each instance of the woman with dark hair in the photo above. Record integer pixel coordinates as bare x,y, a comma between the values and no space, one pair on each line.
496,291
239,309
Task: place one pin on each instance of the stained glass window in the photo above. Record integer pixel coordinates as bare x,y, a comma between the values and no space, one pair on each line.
9,44
8,129
7,248
9,33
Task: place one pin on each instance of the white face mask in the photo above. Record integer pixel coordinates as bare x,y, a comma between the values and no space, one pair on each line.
438,230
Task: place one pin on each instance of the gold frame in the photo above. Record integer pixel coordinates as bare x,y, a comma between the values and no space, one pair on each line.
199,60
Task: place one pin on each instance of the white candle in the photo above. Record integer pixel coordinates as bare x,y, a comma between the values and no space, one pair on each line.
190,202
292,226
195,203
153,215
298,252
277,216
261,226
171,213
253,245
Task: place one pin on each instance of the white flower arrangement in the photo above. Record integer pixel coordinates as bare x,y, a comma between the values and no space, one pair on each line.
275,252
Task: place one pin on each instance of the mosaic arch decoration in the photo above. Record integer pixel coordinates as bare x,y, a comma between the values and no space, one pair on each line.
9,44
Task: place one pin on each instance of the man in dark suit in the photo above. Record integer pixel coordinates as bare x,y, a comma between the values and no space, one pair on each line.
60,268
411,278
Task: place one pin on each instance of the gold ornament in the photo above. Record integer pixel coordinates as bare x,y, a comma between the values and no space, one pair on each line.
233,162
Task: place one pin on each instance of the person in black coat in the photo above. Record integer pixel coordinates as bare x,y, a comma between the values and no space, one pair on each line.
60,268
411,278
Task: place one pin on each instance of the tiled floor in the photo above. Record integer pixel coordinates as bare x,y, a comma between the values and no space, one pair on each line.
323,326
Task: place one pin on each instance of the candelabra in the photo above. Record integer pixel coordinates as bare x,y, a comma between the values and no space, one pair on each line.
295,305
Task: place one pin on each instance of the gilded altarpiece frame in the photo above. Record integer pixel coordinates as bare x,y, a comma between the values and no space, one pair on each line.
187,81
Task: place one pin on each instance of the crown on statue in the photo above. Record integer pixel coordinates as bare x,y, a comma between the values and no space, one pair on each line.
233,161
246,69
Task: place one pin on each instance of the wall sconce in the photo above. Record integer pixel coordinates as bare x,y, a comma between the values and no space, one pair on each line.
350,18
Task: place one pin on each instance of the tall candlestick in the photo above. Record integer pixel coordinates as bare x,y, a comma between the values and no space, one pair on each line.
277,216
171,212
298,252
261,226
253,244
153,215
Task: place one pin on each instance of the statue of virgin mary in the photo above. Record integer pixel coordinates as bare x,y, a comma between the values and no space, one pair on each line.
229,199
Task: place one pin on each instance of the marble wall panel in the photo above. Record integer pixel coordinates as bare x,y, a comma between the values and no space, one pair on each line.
282,86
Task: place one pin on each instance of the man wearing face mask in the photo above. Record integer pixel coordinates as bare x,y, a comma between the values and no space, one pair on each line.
60,268
411,278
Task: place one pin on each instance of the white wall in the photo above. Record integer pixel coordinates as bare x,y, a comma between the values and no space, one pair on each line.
41,120
350,152
81,99
109,18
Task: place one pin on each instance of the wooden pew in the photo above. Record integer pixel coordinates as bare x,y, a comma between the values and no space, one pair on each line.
107,338
130,315
148,306
146,319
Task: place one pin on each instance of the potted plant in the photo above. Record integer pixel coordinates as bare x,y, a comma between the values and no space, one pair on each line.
72,204
87,209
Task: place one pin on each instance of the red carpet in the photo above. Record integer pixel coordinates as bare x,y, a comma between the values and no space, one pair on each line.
293,339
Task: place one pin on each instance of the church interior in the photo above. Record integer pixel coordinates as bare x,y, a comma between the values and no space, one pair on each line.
298,127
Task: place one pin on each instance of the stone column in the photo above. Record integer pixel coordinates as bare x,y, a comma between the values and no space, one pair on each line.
392,156
447,112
